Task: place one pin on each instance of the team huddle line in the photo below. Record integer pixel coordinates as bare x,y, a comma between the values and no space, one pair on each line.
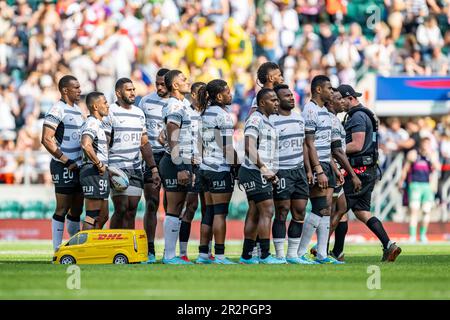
122,150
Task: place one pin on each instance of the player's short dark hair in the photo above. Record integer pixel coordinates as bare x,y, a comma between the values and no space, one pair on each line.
92,97
169,77
263,71
261,94
279,87
162,72
208,94
121,82
64,81
197,85
318,81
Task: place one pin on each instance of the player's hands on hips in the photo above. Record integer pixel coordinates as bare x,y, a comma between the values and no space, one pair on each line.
269,175
322,181
101,168
156,179
357,184
309,177
183,177
193,179
71,165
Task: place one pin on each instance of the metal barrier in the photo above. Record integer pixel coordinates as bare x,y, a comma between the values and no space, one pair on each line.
386,194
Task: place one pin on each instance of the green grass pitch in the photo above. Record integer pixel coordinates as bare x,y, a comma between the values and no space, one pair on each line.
421,272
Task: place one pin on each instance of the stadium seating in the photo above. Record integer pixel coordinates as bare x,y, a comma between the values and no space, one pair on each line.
10,210
34,210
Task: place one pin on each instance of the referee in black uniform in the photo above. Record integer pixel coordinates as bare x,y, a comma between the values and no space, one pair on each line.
361,127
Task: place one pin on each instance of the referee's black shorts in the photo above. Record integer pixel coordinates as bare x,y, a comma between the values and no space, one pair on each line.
361,201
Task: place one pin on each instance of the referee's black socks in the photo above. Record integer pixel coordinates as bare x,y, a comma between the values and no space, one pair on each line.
377,228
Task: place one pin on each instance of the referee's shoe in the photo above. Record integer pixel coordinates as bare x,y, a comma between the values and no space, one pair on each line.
391,253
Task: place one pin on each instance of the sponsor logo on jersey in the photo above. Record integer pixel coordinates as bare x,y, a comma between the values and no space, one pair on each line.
135,136
171,182
88,189
76,135
219,184
292,143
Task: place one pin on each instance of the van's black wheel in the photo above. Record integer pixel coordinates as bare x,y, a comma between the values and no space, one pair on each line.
120,259
67,260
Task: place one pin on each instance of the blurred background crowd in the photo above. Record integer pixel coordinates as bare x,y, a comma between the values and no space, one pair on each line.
101,41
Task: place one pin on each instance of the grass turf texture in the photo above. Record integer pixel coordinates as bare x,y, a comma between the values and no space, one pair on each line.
421,272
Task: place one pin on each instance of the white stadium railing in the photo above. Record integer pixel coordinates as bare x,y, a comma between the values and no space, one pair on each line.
445,200
386,195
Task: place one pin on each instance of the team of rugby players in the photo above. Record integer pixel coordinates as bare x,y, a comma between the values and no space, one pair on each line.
187,146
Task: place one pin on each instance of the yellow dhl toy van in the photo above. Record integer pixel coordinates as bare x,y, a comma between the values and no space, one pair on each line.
104,246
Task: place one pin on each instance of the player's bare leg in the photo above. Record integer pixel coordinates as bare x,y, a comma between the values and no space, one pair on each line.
130,216
279,226
338,212
63,205
266,212
220,203
250,231
120,210
206,229
186,220
93,208
104,214
298,208
206,226
151,195
74,214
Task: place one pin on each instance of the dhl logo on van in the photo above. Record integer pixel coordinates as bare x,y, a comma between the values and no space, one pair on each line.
111,236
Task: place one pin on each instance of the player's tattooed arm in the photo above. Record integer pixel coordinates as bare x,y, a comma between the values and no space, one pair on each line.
88,149
48,141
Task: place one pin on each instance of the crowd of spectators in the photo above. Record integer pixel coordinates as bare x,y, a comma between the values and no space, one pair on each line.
101,41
